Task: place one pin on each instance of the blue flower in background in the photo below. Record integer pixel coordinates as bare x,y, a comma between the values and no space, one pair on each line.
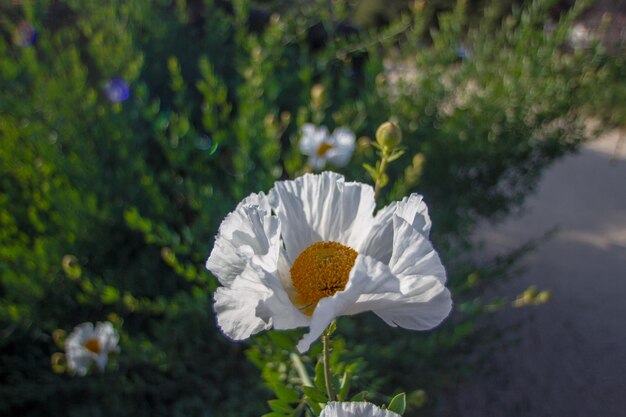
116,89
462,52
25,35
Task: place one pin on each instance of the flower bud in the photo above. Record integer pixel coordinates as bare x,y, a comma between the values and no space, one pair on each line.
388,135
318,94
543,297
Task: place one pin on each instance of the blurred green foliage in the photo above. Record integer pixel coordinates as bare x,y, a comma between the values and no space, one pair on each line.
108,210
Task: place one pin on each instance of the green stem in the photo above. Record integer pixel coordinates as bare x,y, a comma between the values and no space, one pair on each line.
378,186
301,370
330,390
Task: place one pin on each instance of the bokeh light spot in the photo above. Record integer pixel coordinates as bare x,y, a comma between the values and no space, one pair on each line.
205,143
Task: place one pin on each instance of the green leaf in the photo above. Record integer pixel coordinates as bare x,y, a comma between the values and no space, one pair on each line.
398,403
315,407
344,387
284,393
395,155
315,394
280,406
274,414
360,396
371,170
320,379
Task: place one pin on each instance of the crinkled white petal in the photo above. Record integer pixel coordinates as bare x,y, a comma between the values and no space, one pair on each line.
355,409
312,137
260,200
379,242
248,232
279,307
255,301
412,209
322,207
413,254
236,306
421,312
423,301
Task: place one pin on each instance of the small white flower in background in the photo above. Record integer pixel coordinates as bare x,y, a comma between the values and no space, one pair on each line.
312,250
321,147
86,344
355,409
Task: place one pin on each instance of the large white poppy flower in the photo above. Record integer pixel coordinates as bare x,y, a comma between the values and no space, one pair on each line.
321,147
86,344
312,250
355,409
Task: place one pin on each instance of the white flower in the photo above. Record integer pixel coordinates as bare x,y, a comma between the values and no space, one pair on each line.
355,409
86,344
321,147
311,250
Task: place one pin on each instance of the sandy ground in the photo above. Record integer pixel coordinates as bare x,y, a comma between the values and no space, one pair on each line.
571,357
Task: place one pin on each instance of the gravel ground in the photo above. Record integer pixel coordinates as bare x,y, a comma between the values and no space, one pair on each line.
571,357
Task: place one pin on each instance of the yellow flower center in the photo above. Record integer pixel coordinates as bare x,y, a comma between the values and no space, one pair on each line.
324,147
319,271
93,345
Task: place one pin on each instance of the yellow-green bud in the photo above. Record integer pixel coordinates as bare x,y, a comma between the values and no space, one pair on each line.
472,278
318,94
388,135
543,297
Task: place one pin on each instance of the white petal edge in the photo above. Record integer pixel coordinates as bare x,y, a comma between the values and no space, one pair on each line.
424,301
247,232
322,207
421,312
255,301
235,306
379,242
414,210
355,409
413,254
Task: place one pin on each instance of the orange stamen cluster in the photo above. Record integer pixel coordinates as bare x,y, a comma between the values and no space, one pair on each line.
320,271
93,345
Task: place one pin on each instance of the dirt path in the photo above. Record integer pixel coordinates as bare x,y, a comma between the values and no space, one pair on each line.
571,359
